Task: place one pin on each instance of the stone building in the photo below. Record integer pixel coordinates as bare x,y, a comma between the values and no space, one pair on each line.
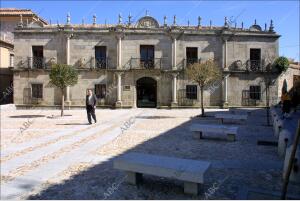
142,64
9,19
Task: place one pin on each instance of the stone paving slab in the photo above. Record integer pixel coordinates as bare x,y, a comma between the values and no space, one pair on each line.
46,138
32,156
14,188
86,172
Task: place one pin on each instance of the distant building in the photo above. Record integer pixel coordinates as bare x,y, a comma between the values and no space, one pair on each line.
142,64
9,19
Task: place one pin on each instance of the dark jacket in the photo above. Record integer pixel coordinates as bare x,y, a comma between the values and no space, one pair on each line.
94,100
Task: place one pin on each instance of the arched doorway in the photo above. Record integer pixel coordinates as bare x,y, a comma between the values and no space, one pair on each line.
146,92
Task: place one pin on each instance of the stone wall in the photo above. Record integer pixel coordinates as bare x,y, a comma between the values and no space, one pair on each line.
82,48
288,76
242,81
239,49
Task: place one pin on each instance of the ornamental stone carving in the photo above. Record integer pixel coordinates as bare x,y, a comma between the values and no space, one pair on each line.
147,22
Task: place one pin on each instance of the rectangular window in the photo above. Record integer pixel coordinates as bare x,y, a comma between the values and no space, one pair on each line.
191,91
37,57
191,55
100,90
147,56
100,57
255,92
255,58
37,90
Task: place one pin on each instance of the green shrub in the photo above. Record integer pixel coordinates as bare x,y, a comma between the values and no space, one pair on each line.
281,64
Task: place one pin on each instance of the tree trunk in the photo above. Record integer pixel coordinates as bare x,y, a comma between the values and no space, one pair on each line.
202,105
268,104
62,102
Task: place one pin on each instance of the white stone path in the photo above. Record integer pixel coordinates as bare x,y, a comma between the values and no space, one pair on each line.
23,182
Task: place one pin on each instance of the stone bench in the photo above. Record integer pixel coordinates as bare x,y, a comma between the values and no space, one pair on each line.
277,125
192,172
295,173
284,140
199,129
240,117
273,114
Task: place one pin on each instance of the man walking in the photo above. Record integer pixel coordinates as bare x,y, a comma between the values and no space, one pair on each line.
91,102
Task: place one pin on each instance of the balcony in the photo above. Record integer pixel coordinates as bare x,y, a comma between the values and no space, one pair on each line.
254,65
101,63
36,62
98,63
251,66
139,63
186,62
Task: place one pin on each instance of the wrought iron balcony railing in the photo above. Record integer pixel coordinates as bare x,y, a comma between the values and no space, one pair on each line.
186,62
252,66
139,63
190,61
37,62
101,63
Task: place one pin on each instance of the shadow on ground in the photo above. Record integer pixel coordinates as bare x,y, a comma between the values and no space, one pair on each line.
73,124
27,116
242,163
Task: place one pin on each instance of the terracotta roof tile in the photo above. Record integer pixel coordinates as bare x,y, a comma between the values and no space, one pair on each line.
15,11
19,11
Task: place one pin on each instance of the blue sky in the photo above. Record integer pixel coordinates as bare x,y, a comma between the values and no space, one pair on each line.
285,14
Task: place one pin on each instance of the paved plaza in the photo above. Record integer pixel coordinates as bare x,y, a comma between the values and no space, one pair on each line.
44,156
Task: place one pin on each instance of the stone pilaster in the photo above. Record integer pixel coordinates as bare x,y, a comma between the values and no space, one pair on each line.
68,37
119,52
225,91
118,104
174,90
174,62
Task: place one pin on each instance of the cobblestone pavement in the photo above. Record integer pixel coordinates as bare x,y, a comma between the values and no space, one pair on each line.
64,158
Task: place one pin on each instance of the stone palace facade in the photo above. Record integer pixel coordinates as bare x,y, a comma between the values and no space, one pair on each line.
142,64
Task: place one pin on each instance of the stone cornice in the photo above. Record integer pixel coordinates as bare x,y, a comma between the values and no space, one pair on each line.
161,30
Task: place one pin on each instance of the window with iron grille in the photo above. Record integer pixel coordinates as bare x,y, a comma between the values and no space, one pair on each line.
255,58
147,56
255,92
191,55
100,90
37,57
100,56
37,90
191,91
